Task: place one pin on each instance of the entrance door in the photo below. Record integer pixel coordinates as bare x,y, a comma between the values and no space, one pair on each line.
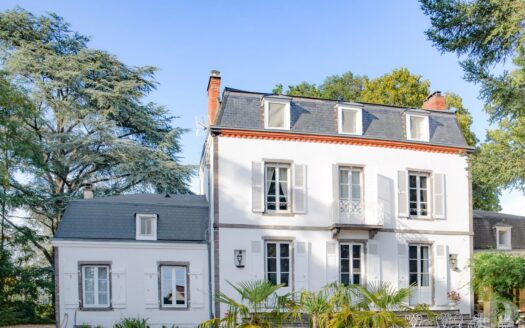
419,269
279,264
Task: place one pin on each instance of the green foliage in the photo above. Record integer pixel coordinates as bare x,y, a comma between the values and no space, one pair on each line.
499,273
132,323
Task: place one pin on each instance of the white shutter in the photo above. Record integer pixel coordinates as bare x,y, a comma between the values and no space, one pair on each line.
196,288
402,265
257,260
371,202
69,285
441,270
332,269
335,192
439,196
299,189
151,293
402,194
257,186
118,286
373,273
301,265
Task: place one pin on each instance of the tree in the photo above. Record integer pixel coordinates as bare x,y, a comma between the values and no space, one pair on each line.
90,124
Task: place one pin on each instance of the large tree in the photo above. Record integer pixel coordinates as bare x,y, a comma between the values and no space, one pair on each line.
486,34
90,124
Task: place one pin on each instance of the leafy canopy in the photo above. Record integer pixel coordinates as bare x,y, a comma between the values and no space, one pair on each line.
499,272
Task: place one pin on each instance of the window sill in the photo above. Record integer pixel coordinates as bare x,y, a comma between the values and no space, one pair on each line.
186,308
96,309
278,214
421,218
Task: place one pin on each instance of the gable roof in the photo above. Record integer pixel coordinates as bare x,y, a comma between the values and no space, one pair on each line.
181,218
242,110
485,224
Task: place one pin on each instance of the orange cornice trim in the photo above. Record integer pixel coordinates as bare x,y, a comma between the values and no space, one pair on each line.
339,140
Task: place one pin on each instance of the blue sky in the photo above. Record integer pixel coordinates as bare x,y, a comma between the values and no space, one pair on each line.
257,45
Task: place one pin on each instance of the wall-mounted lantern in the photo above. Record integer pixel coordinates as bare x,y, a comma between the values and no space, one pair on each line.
453,262
239,257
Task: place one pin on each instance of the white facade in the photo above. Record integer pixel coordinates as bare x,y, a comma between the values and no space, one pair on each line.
134,282
314,230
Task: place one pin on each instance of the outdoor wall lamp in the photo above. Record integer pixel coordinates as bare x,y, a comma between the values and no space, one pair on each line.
453,261
239,257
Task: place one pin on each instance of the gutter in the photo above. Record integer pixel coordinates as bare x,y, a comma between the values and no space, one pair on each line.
210,287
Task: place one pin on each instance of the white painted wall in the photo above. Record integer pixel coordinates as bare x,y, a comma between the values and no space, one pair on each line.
134,268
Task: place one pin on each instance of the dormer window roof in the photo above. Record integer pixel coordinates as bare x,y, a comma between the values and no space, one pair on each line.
146,226
503,236
417,126
350,119
277,113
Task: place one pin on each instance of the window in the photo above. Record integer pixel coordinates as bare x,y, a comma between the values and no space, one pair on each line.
146,226
418,193
419,273
350,120
417,127
503,237
350,185
277,115
95,286
277,187
173,286
278,263
350,263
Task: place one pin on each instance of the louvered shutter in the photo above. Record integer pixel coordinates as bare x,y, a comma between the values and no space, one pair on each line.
402,265
439,196
335,193
151,293
118,286
196,288
257,262
374,263
442,269
402,194
301,265
370,192
69,286
257,186
299,189
332,269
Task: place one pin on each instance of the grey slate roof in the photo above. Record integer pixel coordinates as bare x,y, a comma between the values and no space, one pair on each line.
243,110
485,232
182,218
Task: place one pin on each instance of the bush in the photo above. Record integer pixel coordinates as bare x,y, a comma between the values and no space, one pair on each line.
132,323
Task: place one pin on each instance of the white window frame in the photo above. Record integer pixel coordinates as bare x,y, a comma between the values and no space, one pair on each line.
278,271
358,120
419,272
96,305
286,114
508,244
418,200
426,128
288,183
138,220
351,262
174,268
352,169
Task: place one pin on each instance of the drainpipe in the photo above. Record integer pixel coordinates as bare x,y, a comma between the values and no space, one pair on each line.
210,287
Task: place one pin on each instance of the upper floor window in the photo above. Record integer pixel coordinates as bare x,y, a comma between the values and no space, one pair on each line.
174,286
95,286
277,178
503,237
418,186
351,184
417,127
350,120
277,115
146,226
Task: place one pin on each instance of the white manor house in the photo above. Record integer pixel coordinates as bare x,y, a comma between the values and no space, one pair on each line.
298,191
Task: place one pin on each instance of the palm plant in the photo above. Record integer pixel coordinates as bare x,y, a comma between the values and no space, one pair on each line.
317,306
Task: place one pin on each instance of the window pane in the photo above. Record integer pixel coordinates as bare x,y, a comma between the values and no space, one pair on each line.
272,277
357,279
345,266
412,181
180,285
502,237
103,298
425,280
343,192
345,251
90,298
285,250
285,279
424,266
412,252
413,279
276,113
271,250
283,174
271,265
423,182
424,252
416,127
343,176
412,266
167,292
345,279
285,265
356,193
349,121
356,265
356,251
413,195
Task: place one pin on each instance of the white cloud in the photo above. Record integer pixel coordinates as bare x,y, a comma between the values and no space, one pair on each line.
513,202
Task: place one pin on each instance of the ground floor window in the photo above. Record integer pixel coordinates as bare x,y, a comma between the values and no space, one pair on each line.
350,263
95,286
278,262
419,273
173,286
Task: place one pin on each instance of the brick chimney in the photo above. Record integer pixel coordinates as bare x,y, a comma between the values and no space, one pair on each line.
214,88
435,101
88,191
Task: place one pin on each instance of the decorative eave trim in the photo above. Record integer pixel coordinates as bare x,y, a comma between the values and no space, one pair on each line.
274,135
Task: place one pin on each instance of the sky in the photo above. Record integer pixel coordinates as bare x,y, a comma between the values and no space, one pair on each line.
258,44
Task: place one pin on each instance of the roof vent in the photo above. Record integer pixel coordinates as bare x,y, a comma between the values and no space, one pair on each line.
167,195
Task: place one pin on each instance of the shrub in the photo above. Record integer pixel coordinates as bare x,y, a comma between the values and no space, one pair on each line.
132,323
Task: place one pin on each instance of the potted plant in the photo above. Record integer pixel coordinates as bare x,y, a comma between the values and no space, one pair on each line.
453,297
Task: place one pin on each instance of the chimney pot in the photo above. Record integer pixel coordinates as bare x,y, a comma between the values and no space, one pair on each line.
214,88
88,191
435,101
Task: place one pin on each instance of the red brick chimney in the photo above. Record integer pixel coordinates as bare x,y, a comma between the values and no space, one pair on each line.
435,101
214,88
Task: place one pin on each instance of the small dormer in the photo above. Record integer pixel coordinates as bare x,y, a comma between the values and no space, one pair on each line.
350,119
503,236
417,125
277,112
146,226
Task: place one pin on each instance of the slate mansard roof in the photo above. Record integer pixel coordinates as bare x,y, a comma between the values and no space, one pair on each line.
242,110
485,229
180,218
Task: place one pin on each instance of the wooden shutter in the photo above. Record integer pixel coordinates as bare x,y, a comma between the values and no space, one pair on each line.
335,192
299,189
69,288
370,196
301,265
257,186
151,290
118,286
257,261
441,279
332,267
439,196
197,288
373,273
402,194
402,265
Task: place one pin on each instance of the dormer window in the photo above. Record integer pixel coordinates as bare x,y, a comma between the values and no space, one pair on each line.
146,226
277,114
503,237
417,127
350,120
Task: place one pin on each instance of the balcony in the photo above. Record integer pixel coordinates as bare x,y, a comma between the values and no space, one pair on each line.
357,214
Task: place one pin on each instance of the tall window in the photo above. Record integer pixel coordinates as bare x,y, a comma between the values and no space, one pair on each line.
278,263
419,264
173,287
350,263
350,184
418,193
95,286
277,187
